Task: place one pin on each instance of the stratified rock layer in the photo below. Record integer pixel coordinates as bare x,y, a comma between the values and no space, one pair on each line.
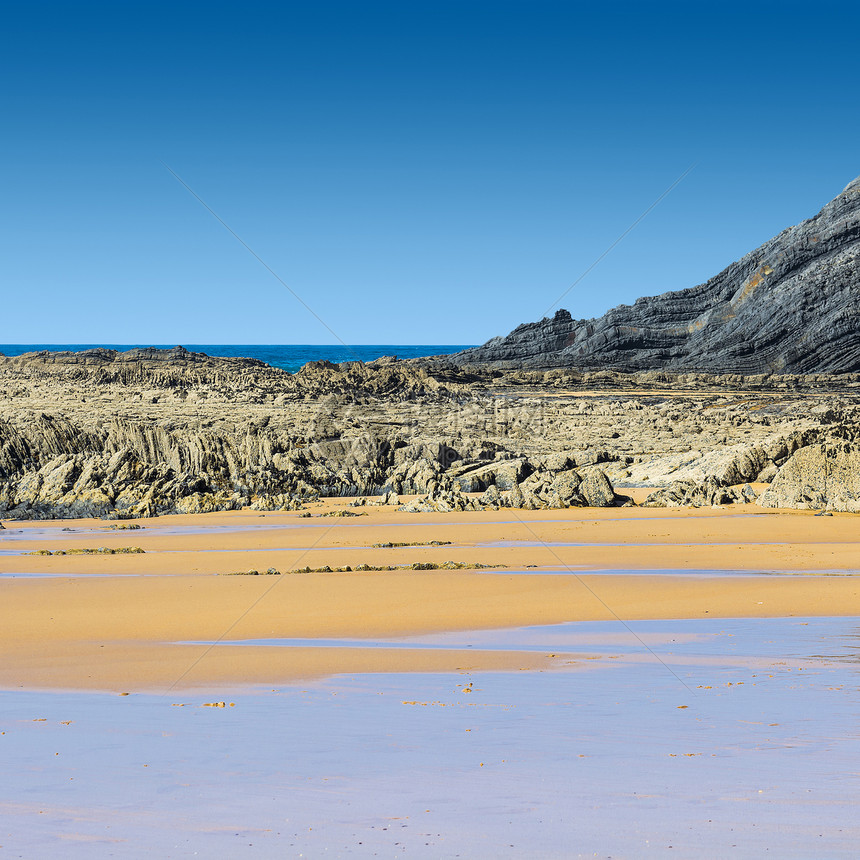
790,306
151,432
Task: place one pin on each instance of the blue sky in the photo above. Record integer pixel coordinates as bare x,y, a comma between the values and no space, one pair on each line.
416,172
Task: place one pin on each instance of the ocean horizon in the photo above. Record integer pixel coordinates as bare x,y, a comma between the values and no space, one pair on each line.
288,357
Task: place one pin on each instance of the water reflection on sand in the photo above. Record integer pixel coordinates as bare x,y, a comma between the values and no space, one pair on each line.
161,526
738,739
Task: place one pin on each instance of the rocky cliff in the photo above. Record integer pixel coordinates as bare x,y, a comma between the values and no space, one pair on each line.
790,306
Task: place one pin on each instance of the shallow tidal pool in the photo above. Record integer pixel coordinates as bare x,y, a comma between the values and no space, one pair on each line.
697,738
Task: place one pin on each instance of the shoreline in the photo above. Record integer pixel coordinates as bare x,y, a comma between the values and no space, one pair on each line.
114,631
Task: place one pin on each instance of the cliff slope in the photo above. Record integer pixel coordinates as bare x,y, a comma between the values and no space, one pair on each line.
790,306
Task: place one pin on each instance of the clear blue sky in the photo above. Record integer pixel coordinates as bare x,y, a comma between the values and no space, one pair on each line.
419,172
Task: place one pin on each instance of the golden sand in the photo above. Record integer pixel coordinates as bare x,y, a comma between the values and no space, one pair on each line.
116,631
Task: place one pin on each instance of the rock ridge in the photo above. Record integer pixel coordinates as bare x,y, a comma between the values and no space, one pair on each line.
790,306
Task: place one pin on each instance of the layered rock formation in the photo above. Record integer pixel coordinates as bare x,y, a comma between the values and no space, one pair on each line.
790,306
125,469
121,435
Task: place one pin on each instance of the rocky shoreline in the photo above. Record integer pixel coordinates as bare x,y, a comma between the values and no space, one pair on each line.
150,432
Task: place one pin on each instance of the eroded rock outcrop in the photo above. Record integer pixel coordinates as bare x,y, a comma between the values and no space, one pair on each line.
543,489
107,434
823,477
707,493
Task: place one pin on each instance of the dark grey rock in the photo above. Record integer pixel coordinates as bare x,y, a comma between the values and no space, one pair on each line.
790,306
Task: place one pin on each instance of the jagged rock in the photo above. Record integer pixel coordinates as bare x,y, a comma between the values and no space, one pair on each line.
734,464
117,435
502,474
490,498
442,501
708,493
171,372
560,462
596,490
790,306
513,498
541,490
413,476
767,474
817,476
199,503
748,493
276,502
566,485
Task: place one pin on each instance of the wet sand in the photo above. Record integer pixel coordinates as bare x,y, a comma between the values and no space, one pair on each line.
742,742
577,704
112,621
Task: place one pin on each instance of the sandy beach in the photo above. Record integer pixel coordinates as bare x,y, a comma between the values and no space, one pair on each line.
680,670
430,431
117,622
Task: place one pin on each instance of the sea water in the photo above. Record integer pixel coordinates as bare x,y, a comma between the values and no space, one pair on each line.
288,357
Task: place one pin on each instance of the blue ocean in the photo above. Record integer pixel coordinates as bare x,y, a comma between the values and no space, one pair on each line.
289,358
